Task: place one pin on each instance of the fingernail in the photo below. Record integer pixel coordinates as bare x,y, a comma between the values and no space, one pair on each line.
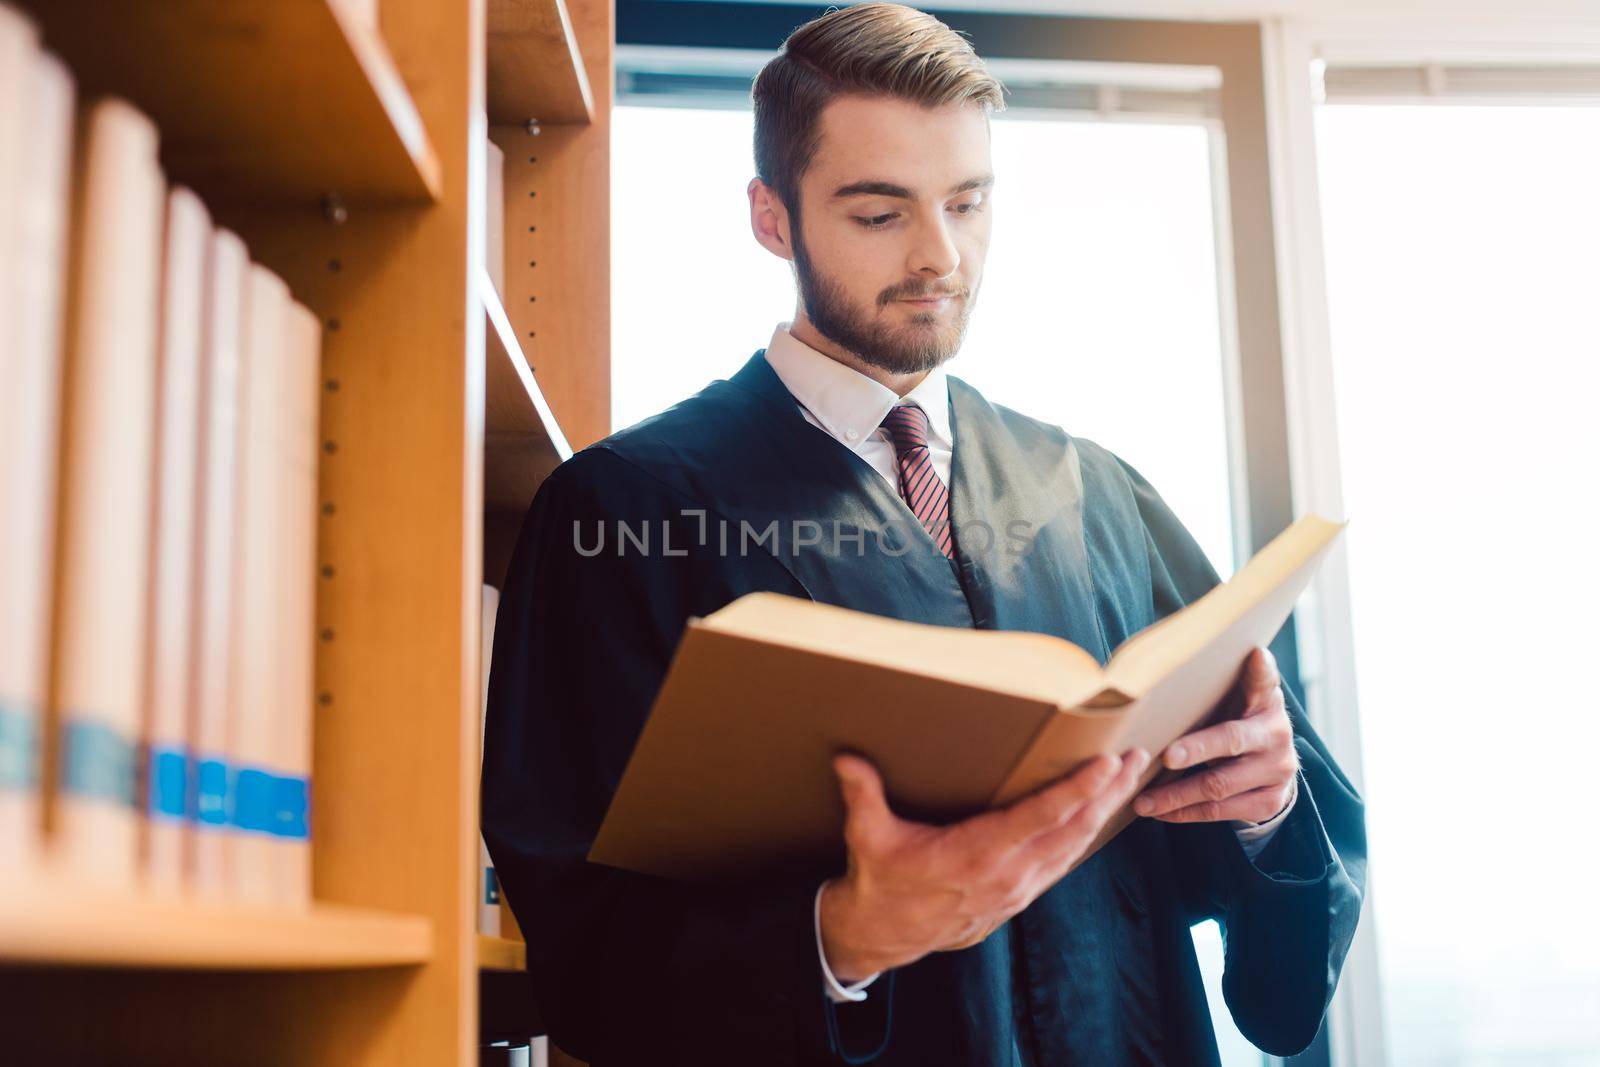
1175,755
1144,805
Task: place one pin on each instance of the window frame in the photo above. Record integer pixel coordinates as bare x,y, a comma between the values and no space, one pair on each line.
1295,52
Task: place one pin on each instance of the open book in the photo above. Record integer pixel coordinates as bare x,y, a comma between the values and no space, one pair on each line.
732,779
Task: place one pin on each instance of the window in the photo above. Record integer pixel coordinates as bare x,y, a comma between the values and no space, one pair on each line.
1461,260
1098,310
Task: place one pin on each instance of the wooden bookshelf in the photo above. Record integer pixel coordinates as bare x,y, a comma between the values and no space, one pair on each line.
501,954
279,99
558,214
44,921
344,154
523,442
536,67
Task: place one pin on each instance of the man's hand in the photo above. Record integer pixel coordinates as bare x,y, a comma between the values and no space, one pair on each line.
1254,775
911,888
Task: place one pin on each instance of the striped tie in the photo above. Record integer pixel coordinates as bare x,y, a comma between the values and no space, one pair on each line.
920,486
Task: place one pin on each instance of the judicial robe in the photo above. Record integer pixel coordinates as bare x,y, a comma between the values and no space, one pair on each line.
733,491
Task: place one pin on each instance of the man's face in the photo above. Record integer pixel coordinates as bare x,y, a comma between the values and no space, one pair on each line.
895,206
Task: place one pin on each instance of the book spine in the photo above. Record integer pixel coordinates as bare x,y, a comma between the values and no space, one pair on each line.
174,540
259,612
210,804
297,630
107,450
36,111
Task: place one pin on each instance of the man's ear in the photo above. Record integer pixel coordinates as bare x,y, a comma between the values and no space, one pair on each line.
769,219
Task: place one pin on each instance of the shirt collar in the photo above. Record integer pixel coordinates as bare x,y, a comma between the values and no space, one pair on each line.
848,404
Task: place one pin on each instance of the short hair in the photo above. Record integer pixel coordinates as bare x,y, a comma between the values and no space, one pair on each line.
872,49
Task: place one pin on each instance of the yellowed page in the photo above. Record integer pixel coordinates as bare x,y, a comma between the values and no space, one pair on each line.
1269,583
1016,663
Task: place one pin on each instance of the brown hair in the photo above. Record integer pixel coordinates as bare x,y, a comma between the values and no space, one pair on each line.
872,49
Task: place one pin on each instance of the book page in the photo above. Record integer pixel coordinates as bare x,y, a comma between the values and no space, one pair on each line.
1017,663
1287,561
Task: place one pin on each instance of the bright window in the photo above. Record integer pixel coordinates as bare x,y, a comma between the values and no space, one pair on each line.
1461,248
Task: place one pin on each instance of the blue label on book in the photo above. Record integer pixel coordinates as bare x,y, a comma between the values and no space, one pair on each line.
291,807
212,800
169,782
252,800
97,762
19,747
491,886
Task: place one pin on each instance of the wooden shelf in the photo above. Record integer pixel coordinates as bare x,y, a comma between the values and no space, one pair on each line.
43,921
522,442
501,954
300,98
535,67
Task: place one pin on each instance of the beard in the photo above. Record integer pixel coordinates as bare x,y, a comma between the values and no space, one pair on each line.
915,348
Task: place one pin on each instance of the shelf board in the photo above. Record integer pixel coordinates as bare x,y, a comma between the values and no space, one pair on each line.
522,441
57,921
535,68
256,99
501,954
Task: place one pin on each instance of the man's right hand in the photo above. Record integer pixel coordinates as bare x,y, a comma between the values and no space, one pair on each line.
911,888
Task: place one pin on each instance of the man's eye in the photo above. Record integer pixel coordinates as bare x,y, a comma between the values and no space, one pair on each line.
876,222
971,208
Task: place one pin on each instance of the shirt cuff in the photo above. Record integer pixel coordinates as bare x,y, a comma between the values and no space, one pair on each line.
837,993
1254,836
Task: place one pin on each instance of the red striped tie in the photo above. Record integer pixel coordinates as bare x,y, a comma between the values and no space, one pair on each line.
920,486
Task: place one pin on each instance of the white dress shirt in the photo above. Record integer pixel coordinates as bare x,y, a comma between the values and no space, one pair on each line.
849,407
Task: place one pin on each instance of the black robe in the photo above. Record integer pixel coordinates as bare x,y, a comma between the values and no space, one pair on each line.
1100,969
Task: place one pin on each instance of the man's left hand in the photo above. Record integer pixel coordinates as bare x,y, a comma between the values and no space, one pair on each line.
1254,773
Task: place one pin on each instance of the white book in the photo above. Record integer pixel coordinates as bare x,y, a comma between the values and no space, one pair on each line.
210,866
169,691
258,613
19,45
108,433
36,179
488,884
299,406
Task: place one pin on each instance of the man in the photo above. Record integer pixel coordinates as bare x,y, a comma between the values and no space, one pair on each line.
952,945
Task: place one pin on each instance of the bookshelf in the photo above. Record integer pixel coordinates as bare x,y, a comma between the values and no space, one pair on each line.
43,921
523,441
501,954
301,98
524,84
346,154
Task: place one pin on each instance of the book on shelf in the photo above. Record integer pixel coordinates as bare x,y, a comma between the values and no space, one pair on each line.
300,406
273,633
36,131
210,736
731,777
169,676
254,700
102,572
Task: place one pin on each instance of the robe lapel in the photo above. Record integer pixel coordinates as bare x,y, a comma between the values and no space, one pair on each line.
841,530
1016,499
1017,502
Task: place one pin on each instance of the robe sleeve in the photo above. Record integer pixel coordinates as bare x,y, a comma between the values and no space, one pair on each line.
1287,916
630,968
